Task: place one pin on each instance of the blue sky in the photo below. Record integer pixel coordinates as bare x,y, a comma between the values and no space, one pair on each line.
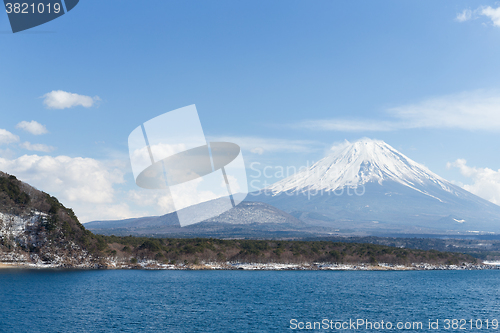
284,79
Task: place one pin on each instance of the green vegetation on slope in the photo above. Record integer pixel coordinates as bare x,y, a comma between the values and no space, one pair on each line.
56,233
9,186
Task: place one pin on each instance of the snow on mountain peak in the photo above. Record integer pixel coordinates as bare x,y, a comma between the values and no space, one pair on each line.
358,163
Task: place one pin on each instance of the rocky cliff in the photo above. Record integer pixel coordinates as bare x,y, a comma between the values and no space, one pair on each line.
36,229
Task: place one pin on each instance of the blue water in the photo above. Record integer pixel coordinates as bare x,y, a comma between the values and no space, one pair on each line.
239,301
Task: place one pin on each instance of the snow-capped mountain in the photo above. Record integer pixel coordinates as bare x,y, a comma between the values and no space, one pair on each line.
359,163
371,182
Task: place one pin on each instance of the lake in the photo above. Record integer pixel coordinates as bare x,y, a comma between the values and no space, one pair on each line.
247,301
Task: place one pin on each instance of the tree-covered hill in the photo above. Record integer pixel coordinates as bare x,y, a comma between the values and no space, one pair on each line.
37,225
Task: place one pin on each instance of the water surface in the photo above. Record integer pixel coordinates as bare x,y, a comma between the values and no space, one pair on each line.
237,301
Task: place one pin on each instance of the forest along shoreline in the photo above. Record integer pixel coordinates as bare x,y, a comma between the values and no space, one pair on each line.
216,254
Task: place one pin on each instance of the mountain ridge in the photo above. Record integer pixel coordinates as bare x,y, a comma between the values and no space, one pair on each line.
247,218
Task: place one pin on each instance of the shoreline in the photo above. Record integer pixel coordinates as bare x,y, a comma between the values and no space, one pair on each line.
4,265
153,265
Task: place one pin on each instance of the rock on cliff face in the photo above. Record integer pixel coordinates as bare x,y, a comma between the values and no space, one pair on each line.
37,230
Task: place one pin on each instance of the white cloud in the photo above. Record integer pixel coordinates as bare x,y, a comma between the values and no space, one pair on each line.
493,14
164,201
476,110
198,190
7,137
465,15
163,150
37,147
338,146
7,153
346,125
158,201
260,146
58,99
32,127
234,184
257,150
92,188
92,212
486,182
70,179
84,184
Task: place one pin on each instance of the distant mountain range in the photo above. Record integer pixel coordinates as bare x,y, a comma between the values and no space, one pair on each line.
365,188
248,219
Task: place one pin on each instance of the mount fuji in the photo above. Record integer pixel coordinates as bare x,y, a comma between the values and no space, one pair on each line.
370,186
